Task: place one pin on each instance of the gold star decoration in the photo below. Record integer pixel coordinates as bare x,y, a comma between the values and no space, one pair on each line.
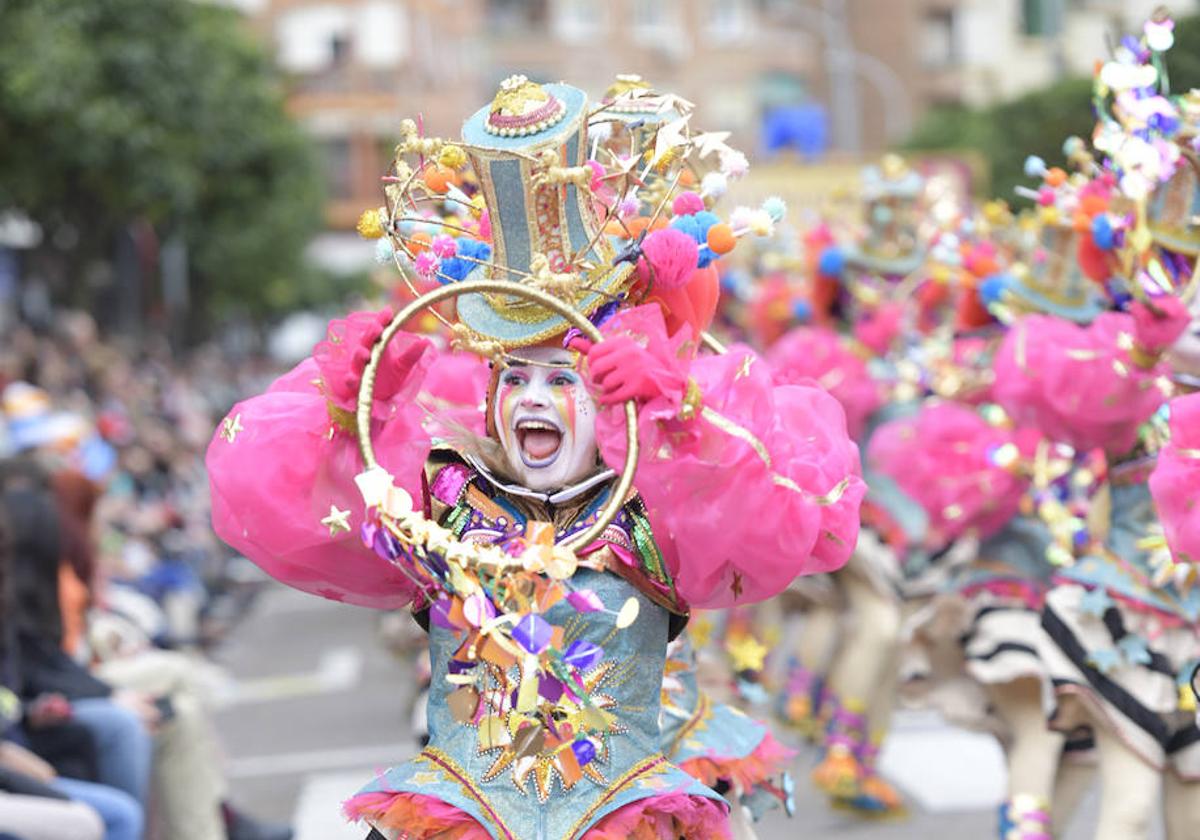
670,136
711,141
736,586
231,426
337,521
747,653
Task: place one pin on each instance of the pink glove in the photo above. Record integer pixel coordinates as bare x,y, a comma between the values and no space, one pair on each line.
344,354
621,369
1156,331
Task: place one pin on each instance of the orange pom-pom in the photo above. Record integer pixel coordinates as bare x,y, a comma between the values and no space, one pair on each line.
1081,223
1093,205
1055,176
438,178
721,238
419,241
686,178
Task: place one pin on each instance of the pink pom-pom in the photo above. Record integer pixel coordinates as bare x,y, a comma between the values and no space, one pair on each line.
1046,196
687,203
426,264
672,256
597,173
485,226
628,207
444,246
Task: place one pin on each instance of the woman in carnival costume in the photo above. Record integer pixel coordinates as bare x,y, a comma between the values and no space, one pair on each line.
841,688
550,587
1120,634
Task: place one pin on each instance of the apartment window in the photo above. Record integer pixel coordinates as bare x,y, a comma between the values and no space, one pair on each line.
517,15
579,20
727,20
656,22
938,45
339,176
1042,18
314,38
381,34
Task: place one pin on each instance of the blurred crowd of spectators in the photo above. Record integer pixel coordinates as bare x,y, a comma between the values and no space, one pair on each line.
112,587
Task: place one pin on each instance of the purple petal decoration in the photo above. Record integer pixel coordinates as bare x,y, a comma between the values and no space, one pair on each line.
457,666
550,688
439,614
585,751
582,655
532,633
585,601
385,545
367,532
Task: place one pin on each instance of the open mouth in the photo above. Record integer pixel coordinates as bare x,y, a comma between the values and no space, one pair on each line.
539,442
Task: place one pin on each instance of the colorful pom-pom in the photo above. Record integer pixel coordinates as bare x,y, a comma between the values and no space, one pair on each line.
370,224
686,204
720,238
775,207
672,254
1035,167
734,164
444,245
714,184
383,251
1102,232
991,290
452,157
437,178
739,219
832,262
426,264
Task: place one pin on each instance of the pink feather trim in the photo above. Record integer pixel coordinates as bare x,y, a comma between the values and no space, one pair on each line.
420,817
666,817
769,759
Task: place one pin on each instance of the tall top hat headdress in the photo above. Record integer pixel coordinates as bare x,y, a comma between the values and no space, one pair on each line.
528,197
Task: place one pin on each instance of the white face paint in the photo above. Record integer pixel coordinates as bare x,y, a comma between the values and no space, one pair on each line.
546,420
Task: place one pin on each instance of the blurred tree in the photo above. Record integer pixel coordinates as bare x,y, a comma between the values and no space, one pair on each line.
155,122
1038,122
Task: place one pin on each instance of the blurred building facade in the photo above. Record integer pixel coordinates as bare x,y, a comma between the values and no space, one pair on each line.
800,76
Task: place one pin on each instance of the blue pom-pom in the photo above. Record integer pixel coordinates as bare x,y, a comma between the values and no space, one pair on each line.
1035,167
688,225
1102,232
455,268
832,262
992,289
704,220
801,310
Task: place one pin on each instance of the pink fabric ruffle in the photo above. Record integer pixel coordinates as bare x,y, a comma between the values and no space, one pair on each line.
420,817
941,458
769,759
291,464
454,392
744,499
1078,385
666,817
818,354
1175,483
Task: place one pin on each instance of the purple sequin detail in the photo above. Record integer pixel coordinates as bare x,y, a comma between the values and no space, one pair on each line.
449,482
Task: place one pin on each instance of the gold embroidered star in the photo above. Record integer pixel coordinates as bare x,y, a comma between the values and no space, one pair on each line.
231,426
337,521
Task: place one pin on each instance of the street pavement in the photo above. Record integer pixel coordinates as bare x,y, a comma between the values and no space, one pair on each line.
316,705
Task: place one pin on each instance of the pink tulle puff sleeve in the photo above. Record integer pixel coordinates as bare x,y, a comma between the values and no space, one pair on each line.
453,394
956,465
816,354
1175,483
1078,385
759,485
282,465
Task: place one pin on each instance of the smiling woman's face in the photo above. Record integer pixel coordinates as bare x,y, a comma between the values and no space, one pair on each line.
546,420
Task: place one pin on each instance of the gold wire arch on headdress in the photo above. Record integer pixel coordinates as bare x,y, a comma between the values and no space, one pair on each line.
576,319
